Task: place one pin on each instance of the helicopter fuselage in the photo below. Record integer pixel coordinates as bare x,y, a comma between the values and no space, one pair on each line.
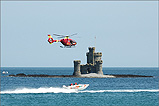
68,42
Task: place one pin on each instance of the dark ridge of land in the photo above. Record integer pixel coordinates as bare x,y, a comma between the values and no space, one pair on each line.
128,75
62,76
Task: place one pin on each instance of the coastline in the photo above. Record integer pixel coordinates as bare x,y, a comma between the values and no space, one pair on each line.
92,75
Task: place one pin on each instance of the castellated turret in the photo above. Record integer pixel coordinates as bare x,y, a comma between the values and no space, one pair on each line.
90,55
99,67
94,63
97,56
77,71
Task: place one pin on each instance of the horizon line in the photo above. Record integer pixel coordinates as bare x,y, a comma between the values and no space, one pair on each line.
73,67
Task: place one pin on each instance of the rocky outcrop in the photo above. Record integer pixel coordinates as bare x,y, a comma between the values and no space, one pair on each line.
84,76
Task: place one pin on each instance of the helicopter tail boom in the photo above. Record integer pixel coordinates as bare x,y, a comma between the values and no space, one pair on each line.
51,40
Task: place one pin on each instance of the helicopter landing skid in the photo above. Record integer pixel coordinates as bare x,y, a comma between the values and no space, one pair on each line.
67,46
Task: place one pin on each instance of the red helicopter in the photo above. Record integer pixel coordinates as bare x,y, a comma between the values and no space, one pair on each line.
66,41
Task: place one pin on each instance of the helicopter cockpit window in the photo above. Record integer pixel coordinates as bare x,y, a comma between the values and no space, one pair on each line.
71,41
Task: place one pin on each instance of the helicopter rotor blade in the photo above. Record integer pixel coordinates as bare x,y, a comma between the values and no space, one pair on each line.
59,35
73,34
64,36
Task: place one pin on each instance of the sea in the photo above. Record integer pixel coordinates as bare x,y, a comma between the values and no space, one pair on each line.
42,91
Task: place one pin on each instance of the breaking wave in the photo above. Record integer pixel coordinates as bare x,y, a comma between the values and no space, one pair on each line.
62,90
40,90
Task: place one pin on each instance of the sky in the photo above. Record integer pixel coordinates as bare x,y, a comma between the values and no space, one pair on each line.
126,32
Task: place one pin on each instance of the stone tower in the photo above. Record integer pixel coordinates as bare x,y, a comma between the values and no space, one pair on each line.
99,67
94,63
90,55
97,56
77,71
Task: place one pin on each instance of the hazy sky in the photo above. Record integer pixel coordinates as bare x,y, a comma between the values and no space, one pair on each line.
126,32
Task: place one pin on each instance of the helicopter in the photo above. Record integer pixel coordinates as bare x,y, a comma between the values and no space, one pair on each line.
66,41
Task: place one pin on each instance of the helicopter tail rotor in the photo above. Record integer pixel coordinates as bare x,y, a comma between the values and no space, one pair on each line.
51,40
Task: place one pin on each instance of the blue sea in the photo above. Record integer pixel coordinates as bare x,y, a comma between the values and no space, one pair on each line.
41,91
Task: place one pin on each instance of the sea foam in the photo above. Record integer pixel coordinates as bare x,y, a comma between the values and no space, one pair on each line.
62,90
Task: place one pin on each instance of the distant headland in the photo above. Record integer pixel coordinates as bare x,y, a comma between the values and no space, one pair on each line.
93,68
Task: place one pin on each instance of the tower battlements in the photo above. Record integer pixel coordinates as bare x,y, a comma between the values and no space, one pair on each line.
94,63
98,54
